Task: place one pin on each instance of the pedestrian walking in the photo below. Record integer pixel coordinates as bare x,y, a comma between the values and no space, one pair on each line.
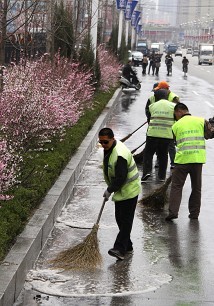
157,64
144,64
122,177
168,61
151,61
159,134
153,67
189,132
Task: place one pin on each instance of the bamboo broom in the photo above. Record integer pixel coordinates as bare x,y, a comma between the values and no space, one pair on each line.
158,197
85,255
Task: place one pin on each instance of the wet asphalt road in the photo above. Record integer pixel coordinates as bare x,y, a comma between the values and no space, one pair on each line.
172,263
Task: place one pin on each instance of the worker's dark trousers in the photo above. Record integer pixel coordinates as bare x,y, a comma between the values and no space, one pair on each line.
124,215
157,71
150,66
160,146
179,175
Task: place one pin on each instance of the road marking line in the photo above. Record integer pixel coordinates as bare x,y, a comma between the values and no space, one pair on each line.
195,92
208,103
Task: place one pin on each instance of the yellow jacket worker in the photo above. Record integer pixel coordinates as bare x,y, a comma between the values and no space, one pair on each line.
189,134
122,177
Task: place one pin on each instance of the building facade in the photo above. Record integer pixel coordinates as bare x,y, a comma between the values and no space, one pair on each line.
195,19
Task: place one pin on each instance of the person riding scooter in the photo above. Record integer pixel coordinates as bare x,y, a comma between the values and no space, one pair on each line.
129,77
128,72
185,63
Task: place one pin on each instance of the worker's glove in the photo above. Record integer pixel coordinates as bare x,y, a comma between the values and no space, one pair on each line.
107,195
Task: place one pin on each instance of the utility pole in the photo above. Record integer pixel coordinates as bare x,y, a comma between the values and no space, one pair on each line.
105,8
121,13
94,23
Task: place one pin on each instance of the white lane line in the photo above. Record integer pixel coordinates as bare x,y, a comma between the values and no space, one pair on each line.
208,103
195,92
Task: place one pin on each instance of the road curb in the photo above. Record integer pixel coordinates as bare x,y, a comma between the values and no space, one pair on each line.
30,242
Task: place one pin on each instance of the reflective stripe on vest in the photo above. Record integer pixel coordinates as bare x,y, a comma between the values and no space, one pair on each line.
189,133
162,119
131,179
189,138
132,186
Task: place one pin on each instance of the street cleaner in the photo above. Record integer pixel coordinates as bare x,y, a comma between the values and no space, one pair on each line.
172,97
122,177
190,133
159,134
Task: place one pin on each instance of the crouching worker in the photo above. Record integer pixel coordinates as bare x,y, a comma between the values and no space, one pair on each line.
122,177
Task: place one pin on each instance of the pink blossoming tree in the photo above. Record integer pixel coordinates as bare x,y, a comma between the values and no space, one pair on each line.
40,99
109,68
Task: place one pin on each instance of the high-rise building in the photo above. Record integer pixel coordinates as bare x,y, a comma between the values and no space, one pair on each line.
195,19
194,11
168,10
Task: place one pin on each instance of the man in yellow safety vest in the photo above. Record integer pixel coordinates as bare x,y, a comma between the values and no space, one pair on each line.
189,132
122,177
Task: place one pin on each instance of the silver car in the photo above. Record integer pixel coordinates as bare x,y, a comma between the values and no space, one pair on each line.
178,52
136,57
189,51
195,52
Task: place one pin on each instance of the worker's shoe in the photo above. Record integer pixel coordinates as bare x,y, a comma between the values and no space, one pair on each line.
193,217
116,253
145,177
171,217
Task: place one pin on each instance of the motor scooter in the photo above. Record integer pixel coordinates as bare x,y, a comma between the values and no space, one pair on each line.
127,85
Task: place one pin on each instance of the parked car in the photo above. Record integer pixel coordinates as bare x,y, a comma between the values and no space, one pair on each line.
136,57
178,52
195,52
189,50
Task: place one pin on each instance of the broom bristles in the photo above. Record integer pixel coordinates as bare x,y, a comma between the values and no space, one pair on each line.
84,255
158,197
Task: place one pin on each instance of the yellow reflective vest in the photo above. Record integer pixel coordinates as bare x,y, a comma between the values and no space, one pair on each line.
152,99
162,119
171,96
189,133
132,185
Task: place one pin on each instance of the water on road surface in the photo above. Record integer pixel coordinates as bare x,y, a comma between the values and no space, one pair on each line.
172,263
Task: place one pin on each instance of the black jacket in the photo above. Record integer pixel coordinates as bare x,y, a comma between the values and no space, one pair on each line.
128,71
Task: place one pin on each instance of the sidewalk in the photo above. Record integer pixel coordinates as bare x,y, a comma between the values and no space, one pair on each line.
30,242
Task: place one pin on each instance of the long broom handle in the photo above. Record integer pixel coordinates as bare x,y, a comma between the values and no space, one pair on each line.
129,135
133,151
101,210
